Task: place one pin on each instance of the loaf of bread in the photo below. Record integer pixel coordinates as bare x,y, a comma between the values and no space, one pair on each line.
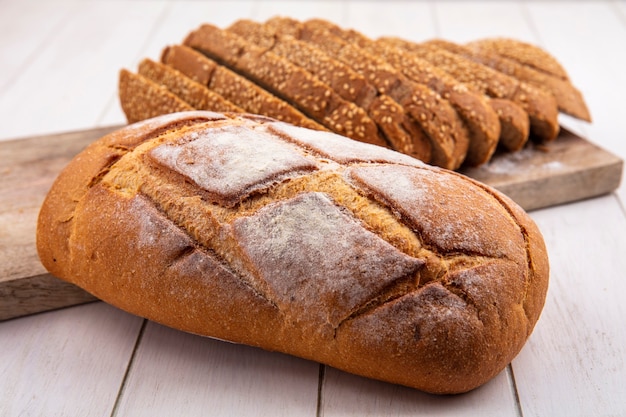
255,231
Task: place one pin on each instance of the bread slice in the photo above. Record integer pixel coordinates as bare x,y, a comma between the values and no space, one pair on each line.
514,124
526,54
195,94
436,116
286,80
232,86
541,107
400,130
143,99
481,120
569,99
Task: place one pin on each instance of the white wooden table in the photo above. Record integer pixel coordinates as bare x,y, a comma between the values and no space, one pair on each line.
59,62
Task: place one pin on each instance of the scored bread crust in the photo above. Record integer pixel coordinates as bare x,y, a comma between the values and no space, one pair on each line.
251,230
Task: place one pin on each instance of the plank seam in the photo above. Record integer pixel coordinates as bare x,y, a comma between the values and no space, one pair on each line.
129,368
320,385
518,403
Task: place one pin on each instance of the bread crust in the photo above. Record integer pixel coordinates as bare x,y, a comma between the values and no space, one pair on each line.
300,241
142,99
195,94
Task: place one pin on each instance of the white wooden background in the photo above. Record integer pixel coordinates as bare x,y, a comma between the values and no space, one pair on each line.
58,72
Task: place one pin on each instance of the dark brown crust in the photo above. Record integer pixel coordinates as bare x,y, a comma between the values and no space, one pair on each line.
453,312
288,81
568,97
481,120
526,54
514,124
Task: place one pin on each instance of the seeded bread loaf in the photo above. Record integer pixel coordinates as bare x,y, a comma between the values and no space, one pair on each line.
195,94
254,231
514,124
480,119
142,98
526,54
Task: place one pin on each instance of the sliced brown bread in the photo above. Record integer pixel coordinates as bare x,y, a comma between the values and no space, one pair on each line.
143,99
232,86
480,119
400,130
290,82
514,123
526,54
569,99
541,107
434,114
195,94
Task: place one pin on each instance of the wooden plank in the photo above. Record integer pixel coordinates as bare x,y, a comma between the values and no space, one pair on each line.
344,394
590,48
74,74
68,363
414,23
29,168
571,169
574,363
179,374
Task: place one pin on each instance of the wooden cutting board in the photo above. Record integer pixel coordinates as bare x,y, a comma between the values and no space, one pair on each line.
567,170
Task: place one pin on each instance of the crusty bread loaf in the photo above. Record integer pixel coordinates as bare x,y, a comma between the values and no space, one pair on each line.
251,230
